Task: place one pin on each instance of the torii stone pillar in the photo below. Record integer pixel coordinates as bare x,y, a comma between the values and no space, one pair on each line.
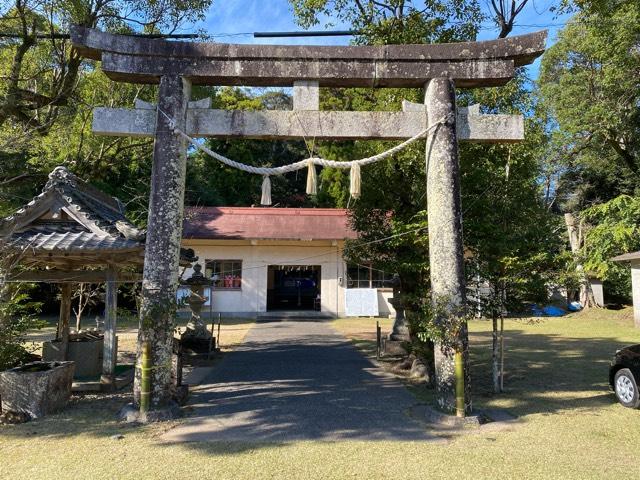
446,265
162,251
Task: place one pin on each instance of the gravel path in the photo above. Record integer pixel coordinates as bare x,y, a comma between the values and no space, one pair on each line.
298,380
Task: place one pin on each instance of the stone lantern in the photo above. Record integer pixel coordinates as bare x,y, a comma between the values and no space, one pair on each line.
196,336
399,335
400,331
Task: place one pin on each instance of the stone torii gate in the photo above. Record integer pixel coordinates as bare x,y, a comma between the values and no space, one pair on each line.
175,66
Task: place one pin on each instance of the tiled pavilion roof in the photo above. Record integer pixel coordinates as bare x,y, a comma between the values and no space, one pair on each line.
73,221
72,224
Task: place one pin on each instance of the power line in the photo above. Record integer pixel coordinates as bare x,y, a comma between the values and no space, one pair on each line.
66,36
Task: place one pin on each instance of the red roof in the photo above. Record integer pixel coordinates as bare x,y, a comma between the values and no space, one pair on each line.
244,223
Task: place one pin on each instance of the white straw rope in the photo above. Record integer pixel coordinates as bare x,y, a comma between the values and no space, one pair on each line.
302,163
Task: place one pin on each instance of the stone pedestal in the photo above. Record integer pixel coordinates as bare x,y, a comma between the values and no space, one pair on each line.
400,329
394,348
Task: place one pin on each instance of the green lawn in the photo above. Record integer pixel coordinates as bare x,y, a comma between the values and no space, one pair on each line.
571,426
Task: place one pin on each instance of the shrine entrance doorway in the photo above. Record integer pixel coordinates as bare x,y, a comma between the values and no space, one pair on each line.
293,287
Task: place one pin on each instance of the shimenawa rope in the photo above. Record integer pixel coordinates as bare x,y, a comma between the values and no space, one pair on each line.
308,163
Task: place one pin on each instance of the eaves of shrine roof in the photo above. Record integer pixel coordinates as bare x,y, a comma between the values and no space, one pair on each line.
247,223
72,221
72,241
627,257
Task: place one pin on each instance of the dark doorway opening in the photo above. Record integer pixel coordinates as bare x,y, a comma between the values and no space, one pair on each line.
293,287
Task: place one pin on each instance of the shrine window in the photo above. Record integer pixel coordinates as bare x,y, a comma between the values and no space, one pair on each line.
226,274
366,276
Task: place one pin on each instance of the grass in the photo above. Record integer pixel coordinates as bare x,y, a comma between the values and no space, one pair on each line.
571,426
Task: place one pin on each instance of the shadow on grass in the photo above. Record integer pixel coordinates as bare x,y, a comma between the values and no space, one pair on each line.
546,373
281,386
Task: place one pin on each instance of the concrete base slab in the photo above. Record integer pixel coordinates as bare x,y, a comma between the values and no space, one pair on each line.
119,382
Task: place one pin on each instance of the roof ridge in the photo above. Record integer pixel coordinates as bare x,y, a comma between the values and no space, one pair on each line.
98,208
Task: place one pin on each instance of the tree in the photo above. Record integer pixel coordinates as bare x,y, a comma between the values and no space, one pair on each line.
396,21
590,81
34,98
610,229
17,315
506,12
86,295
48,92
390,215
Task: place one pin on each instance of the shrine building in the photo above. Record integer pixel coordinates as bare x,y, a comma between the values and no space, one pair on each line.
273,261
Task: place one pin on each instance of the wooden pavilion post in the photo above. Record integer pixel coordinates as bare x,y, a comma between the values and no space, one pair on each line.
63,321
110,352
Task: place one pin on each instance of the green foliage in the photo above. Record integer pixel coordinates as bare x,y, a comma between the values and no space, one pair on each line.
395,22
590,80
439,321
510,236
48,93
17,316
613,228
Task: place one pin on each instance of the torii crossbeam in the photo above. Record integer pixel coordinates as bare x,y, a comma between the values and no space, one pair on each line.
175,66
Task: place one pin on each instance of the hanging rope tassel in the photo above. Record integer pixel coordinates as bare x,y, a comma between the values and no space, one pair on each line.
312,181
354,184
266,191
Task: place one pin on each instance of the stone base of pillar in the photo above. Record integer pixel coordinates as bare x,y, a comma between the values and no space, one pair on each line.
131,414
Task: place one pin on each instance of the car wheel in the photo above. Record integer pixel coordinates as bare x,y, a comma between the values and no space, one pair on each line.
626,388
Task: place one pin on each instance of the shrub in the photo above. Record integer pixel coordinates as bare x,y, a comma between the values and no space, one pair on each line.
17,316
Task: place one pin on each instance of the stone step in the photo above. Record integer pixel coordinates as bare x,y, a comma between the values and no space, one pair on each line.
293,315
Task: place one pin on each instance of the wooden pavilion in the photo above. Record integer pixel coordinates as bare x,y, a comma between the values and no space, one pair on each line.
74,233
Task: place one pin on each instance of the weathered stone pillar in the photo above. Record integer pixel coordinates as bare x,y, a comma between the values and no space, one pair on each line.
162,251
445,237
110,351
635,291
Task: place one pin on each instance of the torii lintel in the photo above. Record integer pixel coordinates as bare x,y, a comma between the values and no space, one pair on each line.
468,64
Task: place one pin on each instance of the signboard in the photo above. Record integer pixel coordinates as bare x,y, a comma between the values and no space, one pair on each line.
361,302
183,293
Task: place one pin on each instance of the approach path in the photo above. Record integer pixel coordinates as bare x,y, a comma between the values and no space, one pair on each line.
298,380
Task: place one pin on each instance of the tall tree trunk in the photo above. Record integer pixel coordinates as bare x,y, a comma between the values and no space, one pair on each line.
576,240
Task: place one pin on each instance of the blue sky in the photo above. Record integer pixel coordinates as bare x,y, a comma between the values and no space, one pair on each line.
234,21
